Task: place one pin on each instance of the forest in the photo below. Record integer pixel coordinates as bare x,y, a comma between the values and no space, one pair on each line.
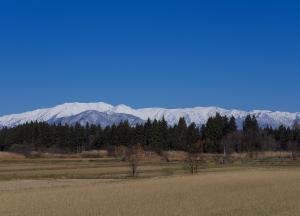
219,133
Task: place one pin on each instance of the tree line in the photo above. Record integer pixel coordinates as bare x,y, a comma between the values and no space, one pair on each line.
220,133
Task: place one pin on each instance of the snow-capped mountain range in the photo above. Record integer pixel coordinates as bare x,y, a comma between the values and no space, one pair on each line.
105,114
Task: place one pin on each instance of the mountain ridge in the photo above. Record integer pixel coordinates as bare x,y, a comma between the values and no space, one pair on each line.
198,114
96,118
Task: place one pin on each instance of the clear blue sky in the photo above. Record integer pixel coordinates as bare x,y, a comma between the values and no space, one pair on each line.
233,54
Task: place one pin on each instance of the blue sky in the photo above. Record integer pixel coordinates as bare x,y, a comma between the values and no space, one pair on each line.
233,54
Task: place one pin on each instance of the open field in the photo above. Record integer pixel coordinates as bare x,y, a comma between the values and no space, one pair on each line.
81,169
239,192
80,186
13,166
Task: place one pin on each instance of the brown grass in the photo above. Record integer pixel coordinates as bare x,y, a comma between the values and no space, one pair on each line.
48,155
79,168
175,155
248,192
271,154
239,156
152,156
10,156
95,154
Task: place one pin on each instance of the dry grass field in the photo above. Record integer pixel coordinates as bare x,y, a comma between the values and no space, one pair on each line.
239,192
86,187
80,168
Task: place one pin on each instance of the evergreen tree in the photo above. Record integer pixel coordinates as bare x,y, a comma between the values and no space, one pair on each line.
250,124
180,135
139,134
216,128
251,134
232,125
123,134
192,136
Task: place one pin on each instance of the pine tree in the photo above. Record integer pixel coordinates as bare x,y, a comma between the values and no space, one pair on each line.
163,137
180,135
250,124
139,134
232,125
251,134
192,136
123,134
214,131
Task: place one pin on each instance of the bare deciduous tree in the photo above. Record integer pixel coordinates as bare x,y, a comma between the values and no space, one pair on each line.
193,162
294,150
133,160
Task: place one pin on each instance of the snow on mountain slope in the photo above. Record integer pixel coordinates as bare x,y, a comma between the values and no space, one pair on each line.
200,115
125,109
297,122
275,119
70,112
97,118
64,110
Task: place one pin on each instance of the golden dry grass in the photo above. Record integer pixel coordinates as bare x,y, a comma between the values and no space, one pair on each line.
10,156
175,155
84,186
244,192
95,154
272,154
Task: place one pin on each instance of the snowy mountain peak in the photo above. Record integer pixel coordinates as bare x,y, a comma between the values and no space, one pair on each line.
63,110
78,107
122,108
71,112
